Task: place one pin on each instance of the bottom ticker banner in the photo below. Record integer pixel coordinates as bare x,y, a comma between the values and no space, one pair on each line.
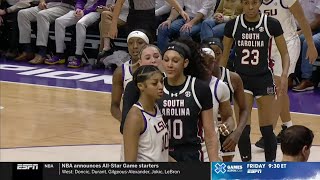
257,170
163,171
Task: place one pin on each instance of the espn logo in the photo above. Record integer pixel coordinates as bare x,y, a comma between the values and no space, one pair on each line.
27,166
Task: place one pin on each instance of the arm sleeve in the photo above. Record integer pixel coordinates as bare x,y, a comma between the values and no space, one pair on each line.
223,92
166,8
228,29
130,96
207,7
274,27
203,94
80,4
94,7
287,3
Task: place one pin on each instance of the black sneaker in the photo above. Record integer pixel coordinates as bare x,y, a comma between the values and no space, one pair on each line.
280,133
260,143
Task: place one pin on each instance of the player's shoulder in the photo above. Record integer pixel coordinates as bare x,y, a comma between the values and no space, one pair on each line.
272,20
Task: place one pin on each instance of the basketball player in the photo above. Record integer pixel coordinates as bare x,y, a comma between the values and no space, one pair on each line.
234,89
221,101
296,142
149,55
252,33
123,74
288,12
145,134
187,104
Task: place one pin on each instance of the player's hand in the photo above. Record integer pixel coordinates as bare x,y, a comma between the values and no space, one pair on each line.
232,140
312,54
113,33
225,128
283,86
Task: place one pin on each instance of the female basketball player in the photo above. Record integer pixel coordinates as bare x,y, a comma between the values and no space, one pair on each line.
145,134
187,104
251,33
235,87
141,15
221,95
288,12
123,75
149,55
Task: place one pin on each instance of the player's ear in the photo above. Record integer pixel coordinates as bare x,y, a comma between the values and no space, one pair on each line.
141,86
186,62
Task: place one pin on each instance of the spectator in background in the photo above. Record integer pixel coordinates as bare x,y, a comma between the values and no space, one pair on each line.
311,10
141,16
84,15
197,11
106,44
296,143
162,11
214,26
8,18
44,14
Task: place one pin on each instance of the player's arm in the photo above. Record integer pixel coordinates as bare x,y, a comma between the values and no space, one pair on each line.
133,127
171,159
117,90
210,135
241,113
285,58
225,106
204,96
227,42
130,97
296,10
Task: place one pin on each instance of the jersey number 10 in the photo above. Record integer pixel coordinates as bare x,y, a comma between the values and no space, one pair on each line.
175,128
246,54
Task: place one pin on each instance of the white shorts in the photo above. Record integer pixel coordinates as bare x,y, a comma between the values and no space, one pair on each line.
294,49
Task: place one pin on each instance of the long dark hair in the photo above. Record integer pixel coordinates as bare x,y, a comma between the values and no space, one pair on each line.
194,68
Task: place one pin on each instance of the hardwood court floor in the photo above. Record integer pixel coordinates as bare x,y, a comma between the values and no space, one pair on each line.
48,116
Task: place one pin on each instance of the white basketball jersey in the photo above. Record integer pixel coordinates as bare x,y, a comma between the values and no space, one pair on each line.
154,141
279,9
220,93
126,73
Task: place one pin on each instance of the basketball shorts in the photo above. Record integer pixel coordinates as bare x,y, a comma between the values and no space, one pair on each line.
294,49
258,86
185,154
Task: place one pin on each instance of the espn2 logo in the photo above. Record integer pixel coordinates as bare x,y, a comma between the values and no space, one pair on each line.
27,166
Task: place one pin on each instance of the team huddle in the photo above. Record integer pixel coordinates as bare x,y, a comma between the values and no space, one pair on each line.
177,103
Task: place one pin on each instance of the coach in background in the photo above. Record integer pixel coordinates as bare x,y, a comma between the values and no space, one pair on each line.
296,143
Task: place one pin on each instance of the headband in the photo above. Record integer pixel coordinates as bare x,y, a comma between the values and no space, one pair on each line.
138,34
208,51
213,41
182,49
